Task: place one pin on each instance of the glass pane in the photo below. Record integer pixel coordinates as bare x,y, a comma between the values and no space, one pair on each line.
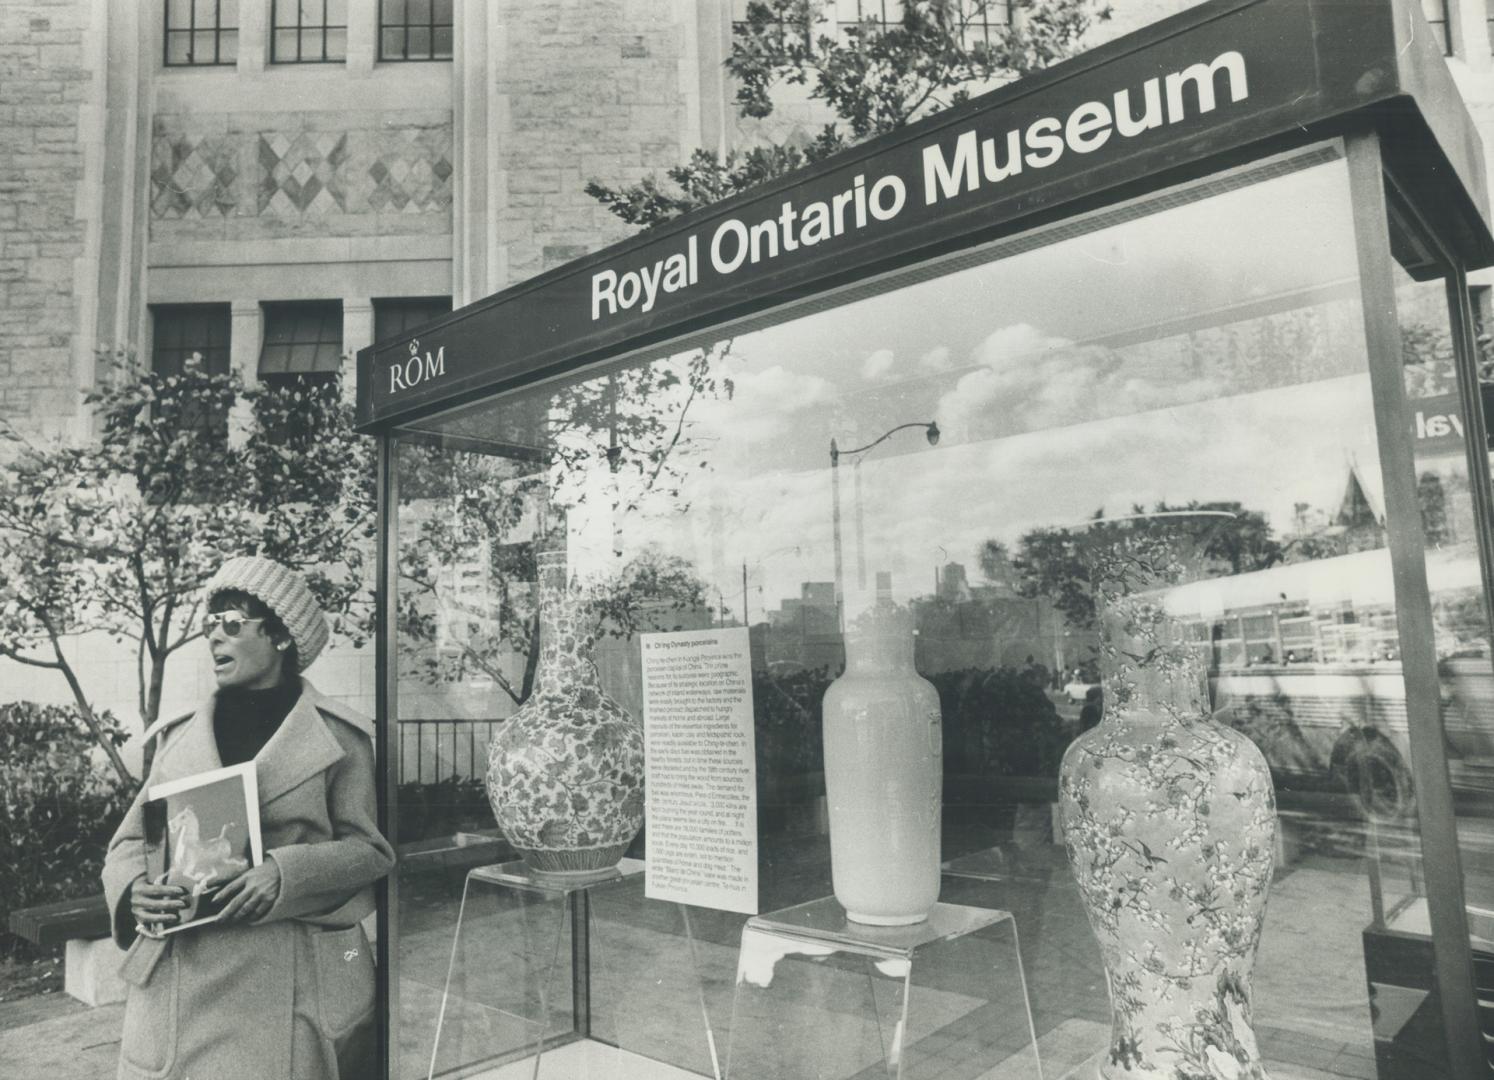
228,14
442,49
205,47
392,44
418,11
442,11
337,13
392,12
1465,663
274,360
805,479
178,47
420,43
286,46
205,13
178,14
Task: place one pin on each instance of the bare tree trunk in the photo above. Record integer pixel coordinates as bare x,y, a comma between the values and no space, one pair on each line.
152,709
110,750
531,661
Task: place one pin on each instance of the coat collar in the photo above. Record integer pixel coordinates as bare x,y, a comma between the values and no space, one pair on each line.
301,747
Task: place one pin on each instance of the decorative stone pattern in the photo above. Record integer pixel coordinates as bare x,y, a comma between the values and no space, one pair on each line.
302,173
44,86
205,167
565,772
193,177
1170,823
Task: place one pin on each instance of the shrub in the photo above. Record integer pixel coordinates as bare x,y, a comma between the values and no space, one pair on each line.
57,808
443,808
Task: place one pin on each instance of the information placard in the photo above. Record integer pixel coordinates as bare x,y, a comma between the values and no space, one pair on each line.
700,769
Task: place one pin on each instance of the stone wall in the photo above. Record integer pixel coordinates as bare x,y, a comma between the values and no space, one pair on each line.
45,90
593,91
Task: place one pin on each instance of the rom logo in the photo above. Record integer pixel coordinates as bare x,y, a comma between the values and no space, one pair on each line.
417,369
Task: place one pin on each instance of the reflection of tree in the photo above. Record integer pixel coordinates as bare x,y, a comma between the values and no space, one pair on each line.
1428,360
1054,562
467,566
1433,502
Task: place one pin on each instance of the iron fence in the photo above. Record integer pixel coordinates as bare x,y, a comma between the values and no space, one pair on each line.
434,750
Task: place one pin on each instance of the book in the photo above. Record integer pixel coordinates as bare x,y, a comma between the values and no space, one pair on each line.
201,832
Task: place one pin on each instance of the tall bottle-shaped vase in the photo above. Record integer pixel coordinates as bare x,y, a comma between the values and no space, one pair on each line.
1169,821
565,772
883,775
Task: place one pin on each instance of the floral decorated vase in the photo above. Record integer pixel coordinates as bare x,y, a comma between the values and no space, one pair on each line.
565,772
1169,823
883,775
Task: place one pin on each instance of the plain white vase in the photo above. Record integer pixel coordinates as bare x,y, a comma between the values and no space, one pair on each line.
884,775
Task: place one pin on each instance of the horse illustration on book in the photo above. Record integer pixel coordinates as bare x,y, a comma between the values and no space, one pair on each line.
204,863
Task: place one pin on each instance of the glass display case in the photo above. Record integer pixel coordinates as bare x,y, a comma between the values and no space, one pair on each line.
905,424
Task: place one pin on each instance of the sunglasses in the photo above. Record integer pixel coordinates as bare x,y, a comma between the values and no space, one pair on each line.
231,621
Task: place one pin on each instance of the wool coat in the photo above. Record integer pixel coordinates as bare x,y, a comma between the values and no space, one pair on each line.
275,999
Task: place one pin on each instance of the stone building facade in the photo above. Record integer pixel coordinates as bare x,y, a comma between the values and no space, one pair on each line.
150,178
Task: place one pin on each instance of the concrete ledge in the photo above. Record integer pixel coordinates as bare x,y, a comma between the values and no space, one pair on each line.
91,971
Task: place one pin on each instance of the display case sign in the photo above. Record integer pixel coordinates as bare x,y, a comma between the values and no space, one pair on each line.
700,769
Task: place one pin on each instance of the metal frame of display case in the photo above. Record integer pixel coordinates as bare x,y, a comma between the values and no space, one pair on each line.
1359,71
1439,842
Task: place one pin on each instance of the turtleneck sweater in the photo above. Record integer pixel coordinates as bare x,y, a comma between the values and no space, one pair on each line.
244,720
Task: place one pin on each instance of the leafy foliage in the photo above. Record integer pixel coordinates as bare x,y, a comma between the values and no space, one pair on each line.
1055,562
998,721
119,536
874,78
57,810
618,444
442,808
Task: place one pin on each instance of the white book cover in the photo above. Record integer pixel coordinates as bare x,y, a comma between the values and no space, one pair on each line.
201,832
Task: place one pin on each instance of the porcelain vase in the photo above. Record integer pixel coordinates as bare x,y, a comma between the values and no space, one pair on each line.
1169,823
883,775
565,772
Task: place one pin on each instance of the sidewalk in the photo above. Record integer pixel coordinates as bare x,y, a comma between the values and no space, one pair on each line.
56,1037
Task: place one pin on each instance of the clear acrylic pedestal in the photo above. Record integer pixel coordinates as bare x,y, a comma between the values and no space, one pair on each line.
820,997
527,958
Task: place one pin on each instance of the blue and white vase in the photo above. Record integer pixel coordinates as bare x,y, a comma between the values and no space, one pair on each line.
1169,821
565,772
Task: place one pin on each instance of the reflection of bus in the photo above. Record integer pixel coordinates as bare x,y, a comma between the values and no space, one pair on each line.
1306,661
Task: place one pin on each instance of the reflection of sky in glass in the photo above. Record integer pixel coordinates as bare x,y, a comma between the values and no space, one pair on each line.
1210,351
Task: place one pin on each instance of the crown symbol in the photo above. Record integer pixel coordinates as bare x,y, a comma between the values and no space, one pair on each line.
415,347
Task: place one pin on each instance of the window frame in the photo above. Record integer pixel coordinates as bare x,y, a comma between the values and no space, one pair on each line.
1441,24
191,31
997,17
327,313
431,26
407,311
301,30
213,318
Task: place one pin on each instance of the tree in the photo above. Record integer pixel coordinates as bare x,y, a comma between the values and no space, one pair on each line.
119,536
623,438
1055,562
873,77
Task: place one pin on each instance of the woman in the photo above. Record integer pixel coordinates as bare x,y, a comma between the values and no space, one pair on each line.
282,986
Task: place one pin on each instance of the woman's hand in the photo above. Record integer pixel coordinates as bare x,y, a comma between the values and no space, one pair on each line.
251,895
156,904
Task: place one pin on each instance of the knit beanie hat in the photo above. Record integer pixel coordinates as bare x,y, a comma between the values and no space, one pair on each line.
284,592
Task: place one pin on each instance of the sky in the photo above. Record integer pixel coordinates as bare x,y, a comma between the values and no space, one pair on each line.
1203,345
